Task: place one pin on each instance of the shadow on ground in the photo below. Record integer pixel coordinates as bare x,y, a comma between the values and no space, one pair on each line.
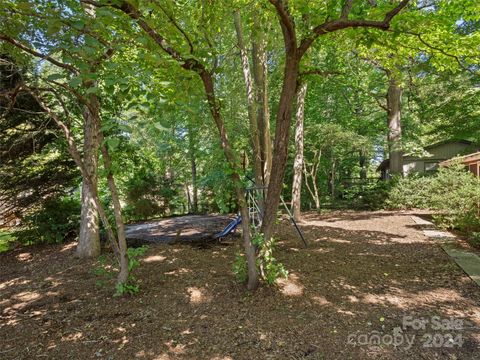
361,275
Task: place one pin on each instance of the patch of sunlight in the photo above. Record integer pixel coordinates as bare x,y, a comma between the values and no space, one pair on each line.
321,300
154,258
340,241
405,300
198,295
16,282
178,272
175,348
123,341
73,337
322,250
222,358
345,312
26,256
290,286
162,357
27,296
68,246
143,353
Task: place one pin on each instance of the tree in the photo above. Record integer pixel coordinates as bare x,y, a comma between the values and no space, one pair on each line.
76,72
294,53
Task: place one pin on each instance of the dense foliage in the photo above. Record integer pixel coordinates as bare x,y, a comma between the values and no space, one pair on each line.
453,193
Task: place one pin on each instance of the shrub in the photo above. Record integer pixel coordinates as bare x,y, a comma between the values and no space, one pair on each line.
371,196
55,221
107,269
410,192
269,268
149,195
452,192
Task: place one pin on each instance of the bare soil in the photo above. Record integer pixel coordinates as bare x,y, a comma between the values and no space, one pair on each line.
362,273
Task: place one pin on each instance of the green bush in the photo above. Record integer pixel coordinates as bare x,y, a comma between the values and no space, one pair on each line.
269,268
371,196
108,267
56,221
409,192
149,195
453,193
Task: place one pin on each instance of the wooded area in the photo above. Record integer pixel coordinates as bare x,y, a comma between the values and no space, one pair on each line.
146,122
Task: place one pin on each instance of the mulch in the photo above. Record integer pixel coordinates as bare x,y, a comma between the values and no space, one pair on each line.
361,275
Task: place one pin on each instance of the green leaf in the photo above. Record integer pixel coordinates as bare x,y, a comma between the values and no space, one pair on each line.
54,77
75,82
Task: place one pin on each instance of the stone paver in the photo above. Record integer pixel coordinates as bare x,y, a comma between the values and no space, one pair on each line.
468,261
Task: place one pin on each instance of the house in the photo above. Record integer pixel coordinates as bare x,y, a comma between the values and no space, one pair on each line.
437,153
471,162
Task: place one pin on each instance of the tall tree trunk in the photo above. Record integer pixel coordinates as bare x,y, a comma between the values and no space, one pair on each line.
260,72
122,277
282,132
394,105
237,183
251,104
89,240
193,164
298,162
118,242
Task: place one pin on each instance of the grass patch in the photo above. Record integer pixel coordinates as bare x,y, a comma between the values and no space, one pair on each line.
5,240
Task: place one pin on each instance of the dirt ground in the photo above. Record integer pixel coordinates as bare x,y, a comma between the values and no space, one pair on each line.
367,282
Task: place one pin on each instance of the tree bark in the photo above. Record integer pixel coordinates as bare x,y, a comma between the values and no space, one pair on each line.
313,175
280,152
260,72
118,245
89,239
394,105
122,277
193,164
251,104
298,162
237,183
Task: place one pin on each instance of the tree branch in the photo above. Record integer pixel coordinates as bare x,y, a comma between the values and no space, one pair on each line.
287,24
25,48
347,7
319,72
174,23
343,23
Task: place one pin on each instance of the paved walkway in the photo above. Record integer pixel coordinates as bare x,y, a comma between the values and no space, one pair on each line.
468,261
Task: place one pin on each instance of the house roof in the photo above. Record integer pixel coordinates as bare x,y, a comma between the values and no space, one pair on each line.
465,159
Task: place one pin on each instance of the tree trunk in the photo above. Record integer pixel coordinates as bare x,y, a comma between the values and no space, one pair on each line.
251,105
239,190
282,132
394,105
332,180
122,277
118,245
89,240
260,71
313,175
193,163
298,162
